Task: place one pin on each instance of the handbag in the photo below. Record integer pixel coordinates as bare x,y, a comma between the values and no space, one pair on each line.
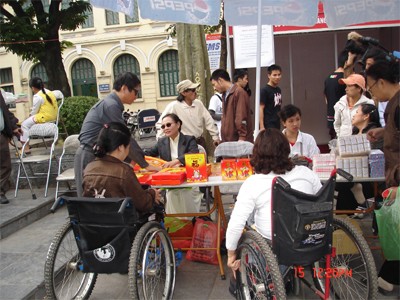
388,219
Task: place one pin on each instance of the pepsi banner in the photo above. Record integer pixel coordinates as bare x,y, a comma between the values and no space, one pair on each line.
204,12
340,13
124,6
273,12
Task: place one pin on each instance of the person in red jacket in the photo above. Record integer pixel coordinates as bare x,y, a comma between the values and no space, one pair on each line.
237,119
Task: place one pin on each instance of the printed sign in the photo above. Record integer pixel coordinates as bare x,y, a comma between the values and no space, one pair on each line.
245,45
213,42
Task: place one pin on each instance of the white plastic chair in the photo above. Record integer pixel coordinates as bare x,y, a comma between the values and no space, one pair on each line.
65,165
40,131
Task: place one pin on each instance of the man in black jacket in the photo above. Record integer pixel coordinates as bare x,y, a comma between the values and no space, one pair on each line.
8,128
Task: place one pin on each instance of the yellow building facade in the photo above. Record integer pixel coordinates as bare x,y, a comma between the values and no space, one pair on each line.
109,43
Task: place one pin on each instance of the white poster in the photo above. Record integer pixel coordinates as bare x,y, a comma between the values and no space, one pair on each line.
245,46
213,42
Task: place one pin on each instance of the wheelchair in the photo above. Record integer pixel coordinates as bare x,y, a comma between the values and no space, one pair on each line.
309,244
106,236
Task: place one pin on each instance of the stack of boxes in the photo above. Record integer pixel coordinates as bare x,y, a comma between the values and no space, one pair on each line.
236,169
353,154
377,163
323,164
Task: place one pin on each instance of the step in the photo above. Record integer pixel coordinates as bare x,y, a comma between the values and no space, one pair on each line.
23,210
23,255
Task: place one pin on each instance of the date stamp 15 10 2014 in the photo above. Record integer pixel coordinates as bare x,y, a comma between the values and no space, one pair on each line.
324,272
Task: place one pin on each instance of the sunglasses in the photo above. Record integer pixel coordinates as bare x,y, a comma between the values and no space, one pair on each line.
166,125
191,90
136,91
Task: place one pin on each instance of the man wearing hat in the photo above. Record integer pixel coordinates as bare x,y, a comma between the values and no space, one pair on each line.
194,115
347,105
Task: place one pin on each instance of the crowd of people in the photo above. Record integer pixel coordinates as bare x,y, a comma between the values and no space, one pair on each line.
106,145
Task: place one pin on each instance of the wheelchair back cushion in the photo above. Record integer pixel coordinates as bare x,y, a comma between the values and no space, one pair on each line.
301,225
103,236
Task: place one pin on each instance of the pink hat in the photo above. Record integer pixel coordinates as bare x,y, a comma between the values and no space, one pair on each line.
356,79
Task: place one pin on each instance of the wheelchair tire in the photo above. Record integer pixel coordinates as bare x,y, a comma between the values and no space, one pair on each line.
259,276
353,260
152,264
62,277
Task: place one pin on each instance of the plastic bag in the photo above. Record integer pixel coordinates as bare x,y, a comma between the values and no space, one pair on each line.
204,236
388,219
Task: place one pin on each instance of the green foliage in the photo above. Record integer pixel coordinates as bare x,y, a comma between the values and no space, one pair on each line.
26,27
74,112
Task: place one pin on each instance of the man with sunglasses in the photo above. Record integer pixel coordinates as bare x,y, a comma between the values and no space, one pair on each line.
125,90
194,115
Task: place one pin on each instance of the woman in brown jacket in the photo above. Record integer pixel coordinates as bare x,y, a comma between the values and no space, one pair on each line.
109,176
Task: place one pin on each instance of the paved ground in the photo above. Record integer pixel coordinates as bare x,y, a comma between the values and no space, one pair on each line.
26,235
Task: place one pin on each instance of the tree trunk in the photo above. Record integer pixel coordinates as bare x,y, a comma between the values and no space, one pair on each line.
55,70
194,63
224,50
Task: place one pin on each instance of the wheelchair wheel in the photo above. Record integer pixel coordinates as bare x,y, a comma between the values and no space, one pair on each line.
353,272
62,277
259,276
152,264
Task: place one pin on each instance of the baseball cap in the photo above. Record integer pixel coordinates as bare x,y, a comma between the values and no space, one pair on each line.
354,79
186,85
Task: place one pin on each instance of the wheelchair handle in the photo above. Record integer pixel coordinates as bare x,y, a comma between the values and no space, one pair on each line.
345,174
123,205
283,183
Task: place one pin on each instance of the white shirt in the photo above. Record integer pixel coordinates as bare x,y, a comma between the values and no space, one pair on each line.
216,105
255,194
381,111
195,119
173,146
305,145
344,114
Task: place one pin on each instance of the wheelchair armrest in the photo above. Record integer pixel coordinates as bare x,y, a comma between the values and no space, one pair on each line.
124,204
345,175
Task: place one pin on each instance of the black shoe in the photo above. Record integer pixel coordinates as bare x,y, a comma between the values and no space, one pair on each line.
232,287
3,199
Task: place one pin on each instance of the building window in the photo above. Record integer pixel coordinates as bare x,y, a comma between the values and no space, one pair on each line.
39,71
89,23
168,69
6,80
84,78
112,18
135,17
127,63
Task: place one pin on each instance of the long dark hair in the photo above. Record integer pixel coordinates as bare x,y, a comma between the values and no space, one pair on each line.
271,153
111,136
373,122
37,82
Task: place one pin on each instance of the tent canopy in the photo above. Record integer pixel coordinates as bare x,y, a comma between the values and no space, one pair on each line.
338,13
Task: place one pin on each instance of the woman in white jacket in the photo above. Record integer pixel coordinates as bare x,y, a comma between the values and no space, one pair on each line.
347,106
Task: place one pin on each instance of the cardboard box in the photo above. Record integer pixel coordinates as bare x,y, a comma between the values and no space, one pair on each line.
244,168
228,169
144,177
196,168
170,173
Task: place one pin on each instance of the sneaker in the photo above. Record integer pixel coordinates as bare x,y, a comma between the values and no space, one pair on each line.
384,285
359,215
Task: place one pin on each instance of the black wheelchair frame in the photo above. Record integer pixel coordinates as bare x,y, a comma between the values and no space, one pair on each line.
309,244
107,235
